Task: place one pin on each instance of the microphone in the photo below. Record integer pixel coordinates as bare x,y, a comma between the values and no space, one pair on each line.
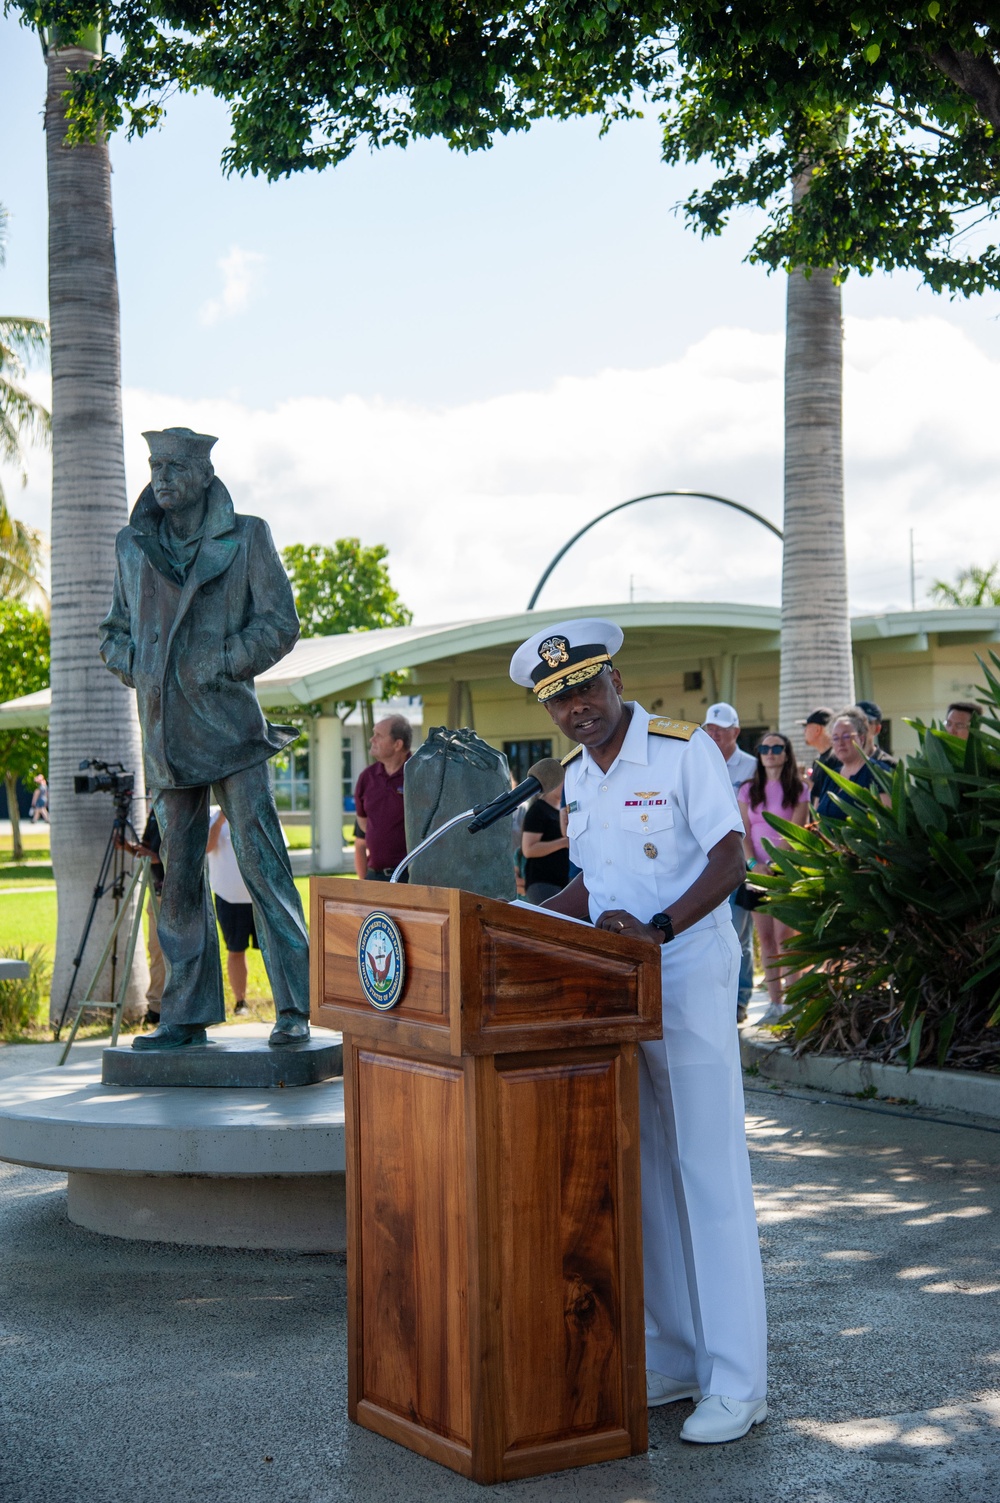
504,803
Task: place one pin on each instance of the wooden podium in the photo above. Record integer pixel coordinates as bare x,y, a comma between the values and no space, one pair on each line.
495,1316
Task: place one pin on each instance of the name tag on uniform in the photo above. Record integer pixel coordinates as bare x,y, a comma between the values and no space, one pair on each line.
572,808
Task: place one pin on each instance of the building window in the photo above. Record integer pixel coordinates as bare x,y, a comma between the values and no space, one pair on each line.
692,681
291,780
347,774
521,754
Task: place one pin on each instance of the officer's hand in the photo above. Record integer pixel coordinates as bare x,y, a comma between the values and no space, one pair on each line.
617,921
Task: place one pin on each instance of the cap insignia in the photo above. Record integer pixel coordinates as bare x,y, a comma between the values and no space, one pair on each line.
555,651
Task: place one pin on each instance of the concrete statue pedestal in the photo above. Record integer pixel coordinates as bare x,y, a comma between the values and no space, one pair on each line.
225,1063
199,1165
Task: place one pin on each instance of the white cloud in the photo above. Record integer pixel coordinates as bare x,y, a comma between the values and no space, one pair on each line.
241,271
473,500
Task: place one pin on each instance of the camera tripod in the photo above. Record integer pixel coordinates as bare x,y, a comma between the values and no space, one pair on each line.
139,886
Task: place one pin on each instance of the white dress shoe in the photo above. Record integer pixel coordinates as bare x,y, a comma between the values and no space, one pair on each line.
663,1390
717,1419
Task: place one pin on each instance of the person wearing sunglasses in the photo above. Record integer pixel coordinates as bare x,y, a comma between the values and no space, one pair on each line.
775,788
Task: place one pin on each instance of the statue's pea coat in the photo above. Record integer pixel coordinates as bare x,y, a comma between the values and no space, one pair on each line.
191,650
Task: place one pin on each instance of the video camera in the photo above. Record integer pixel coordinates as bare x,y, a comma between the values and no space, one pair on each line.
104,777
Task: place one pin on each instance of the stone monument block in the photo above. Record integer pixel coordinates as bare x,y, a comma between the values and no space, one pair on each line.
452,771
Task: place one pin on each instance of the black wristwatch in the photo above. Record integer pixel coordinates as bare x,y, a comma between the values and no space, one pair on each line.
665,924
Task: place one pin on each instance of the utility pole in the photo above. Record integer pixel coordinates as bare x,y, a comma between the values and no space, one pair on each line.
913,575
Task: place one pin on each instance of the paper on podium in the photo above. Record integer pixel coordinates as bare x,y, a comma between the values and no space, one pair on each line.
534,908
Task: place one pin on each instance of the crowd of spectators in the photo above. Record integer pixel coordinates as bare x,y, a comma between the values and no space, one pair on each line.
765,781
845,742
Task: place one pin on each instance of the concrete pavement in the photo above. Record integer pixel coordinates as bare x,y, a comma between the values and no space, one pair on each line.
134,1372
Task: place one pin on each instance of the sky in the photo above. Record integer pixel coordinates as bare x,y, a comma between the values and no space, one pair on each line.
467,357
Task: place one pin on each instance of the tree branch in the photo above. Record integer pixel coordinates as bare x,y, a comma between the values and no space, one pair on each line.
915,120
976,75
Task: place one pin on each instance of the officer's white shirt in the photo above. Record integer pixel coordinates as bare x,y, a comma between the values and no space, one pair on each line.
641,832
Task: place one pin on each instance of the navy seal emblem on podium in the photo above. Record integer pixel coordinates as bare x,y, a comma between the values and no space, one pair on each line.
381,962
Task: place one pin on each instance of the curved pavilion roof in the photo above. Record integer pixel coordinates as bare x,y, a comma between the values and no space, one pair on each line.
345,667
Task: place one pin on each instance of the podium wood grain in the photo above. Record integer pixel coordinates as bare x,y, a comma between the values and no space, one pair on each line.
495,1317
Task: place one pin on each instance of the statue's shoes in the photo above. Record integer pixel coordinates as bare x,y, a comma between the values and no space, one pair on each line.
171,1036
291,1028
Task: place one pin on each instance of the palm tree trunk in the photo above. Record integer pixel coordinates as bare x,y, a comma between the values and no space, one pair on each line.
17,848
92,715
816,663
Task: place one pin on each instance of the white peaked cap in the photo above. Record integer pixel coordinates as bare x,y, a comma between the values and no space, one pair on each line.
568,653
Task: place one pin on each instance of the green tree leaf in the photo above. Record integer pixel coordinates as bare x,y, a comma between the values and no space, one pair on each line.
342,588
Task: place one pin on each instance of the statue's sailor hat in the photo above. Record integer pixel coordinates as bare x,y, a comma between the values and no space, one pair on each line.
179,443
565,655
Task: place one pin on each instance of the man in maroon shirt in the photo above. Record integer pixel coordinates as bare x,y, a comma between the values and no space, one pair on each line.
378,798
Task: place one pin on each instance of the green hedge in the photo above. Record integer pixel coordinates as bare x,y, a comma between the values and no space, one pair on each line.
896,909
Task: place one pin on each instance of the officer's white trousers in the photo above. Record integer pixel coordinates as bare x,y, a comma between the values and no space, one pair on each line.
704,1290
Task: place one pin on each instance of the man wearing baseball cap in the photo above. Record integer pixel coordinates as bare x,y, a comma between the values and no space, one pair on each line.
656,832
723,725
816,734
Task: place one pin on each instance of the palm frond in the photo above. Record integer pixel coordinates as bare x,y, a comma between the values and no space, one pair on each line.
23,420
973,586
22,339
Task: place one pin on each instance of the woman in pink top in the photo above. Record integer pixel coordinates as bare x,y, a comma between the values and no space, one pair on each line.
775,788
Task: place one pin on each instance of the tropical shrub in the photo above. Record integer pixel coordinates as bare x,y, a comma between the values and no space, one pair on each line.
896,908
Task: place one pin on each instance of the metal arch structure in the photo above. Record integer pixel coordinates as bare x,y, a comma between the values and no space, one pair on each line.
651,496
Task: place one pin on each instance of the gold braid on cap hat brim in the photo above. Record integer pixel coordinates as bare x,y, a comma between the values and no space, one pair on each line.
546,688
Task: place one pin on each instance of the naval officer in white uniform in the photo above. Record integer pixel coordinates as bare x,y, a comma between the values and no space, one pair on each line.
655,828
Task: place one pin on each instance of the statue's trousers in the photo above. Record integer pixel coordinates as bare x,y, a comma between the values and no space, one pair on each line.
187,931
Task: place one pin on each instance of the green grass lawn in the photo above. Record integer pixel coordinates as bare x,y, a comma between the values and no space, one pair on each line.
299,837
29,918
25,874
35,844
